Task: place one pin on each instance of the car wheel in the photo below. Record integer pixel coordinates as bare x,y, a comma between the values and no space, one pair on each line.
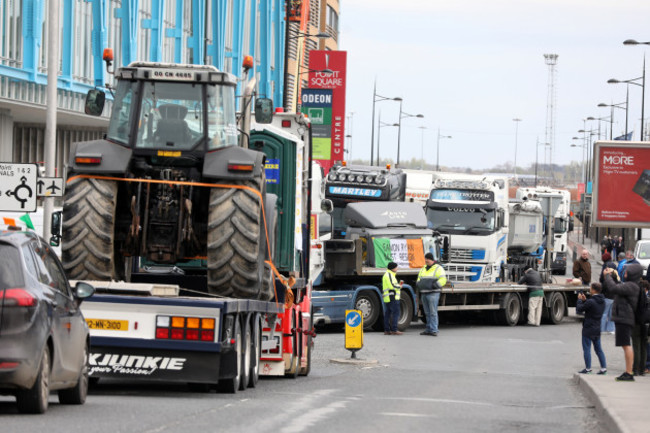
35,399
77,394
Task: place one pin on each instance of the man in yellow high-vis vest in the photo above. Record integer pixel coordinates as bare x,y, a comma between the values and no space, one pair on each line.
430,281
391,293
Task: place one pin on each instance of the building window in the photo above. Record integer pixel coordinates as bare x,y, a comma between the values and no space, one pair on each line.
332,19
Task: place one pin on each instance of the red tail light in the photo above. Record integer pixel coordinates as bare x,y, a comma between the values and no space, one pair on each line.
8,365
18,298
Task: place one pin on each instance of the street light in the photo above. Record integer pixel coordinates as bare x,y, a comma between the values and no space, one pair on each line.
403,115
516,120
634,82
381,125
422,128
583,209
599,119
611,116
591,133
377,98
438,149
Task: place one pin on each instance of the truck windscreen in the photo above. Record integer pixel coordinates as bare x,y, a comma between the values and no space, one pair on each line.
459,220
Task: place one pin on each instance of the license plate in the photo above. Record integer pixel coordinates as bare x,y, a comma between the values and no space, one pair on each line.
108,325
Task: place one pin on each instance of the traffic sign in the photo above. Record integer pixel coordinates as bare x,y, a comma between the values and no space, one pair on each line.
49,187
18,187
353,330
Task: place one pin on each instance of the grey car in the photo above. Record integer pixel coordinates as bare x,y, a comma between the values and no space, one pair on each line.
43,336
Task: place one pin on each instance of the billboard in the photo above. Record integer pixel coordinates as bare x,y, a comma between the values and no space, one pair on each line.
621,189
328,148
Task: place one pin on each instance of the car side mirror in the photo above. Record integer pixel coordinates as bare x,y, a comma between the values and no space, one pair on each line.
83,290
94,102
263,110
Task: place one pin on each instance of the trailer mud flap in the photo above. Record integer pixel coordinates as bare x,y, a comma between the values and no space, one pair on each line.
154,364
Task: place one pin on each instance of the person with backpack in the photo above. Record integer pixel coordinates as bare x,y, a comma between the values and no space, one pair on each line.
592,308
626,297
640,332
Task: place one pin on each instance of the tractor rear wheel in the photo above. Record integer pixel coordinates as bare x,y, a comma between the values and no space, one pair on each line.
88,244
237,242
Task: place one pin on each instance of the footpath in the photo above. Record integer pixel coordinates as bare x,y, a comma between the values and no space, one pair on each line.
622,406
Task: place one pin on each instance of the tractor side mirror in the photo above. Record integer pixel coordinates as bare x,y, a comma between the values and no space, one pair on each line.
327,206
95,102
55,240
263,110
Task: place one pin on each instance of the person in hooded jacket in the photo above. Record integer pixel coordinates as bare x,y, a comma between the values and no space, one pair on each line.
623,312
592,308
606,323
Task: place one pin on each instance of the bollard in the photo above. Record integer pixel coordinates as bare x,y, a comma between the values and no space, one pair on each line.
353,331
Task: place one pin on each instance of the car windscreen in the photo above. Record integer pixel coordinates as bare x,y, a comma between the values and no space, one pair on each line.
11,274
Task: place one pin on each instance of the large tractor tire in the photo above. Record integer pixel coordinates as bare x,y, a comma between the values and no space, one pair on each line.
237,243
88,247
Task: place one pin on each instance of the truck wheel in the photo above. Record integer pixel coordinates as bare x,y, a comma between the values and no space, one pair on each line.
256,351
246,354
231,385
236,243
77,395
88,245
556,306
511,311
36,399
405,312
369,306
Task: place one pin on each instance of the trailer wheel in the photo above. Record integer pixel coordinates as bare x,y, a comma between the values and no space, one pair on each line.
369,306
236,242
256,351
511,311
556,306
231,385
246,354
310,345
295,353
88,245
405,312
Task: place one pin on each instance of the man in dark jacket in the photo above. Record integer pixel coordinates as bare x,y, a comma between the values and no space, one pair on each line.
535,295
625,298
582,268
592,308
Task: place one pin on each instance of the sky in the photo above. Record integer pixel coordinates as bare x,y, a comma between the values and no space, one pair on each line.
472,66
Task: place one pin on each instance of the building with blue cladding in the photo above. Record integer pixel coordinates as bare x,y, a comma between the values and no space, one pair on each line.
214,32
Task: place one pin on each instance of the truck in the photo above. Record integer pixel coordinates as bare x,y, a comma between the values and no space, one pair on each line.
557,227
180,197
369,216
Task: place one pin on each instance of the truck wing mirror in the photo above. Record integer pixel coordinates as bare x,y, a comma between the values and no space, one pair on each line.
327,206
263,110
95,102
55,240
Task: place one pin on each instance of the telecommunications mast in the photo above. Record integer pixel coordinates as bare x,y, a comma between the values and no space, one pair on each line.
551,61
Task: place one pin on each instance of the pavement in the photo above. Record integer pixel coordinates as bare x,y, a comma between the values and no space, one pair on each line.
622,406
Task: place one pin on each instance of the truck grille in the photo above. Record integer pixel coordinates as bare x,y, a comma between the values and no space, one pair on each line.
466,254
460,273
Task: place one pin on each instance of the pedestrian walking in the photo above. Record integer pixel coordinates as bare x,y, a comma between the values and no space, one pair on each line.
625,297
533,280
391,294
605,245
592,308
606,324
582,268
430,282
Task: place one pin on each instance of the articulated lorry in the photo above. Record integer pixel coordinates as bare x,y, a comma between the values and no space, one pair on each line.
194,227
557,227
371,225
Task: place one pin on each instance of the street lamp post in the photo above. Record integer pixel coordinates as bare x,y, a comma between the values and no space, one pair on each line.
377,98
611,116
584,173
381,125
634,82
516,120
438,149
633,42
422,128
402,115
587,143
